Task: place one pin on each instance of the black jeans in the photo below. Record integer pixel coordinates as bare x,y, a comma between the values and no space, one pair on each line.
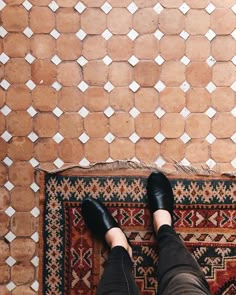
178,272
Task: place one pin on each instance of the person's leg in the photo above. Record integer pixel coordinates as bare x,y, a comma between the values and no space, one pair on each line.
117,278
178,272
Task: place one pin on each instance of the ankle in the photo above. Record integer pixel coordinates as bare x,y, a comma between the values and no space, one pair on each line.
161,217
115,237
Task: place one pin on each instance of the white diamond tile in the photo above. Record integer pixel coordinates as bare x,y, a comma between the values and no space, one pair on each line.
10,236
159,60
160,86
107,60
158,34
210,163
160,162
132,7
28,32
53,6
84,162
159,112
35,261
9,186
4,58
5,110
234,8
81,34
109,160
233,34
31,111
109,137
211,61
210,138
2,4
3,32
233,112
10,261
27,5
133,60
57,86
10,211
35,237
7,161
34,163
234,60
80,7
57,112
29,58
5,84
35,212
185,86
210,87
210,112
106,7
109,111
33,136
185,162
30,84
56,60
34,187
83,86
210,35
58,137
83,112
184,8
134,86
132,34
55,34
134,112
106,34
109,86
184,35
185,60
185,137
185,112
84,137
233,86
35,286
6,136
82,61
134,137
10,286
210,8
233,162
158,8
159,137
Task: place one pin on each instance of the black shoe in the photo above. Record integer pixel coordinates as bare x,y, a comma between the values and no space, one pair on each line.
97,218
160,194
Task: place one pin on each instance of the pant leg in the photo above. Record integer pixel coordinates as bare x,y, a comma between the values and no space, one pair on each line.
178,271
117,278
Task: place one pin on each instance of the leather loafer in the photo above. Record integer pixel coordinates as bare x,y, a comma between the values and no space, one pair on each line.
160,194
97,218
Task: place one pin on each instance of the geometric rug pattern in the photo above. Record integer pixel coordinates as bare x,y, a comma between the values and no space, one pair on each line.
204,217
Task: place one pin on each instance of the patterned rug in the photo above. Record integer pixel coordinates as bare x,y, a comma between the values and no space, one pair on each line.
72,261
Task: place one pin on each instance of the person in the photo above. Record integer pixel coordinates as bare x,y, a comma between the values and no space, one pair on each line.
178,272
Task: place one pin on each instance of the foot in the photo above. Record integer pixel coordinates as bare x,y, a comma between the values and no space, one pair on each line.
160,194
99,220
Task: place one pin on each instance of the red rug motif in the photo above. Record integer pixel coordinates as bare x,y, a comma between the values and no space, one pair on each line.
72,261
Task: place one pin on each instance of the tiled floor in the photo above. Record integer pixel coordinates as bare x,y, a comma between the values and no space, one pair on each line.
92,81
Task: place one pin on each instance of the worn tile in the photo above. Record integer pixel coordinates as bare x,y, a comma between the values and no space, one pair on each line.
119,48
220,128
147,125
119,21
69,47
198,74
122,149
22,273
70,125
96,99
172,47
198,100
98,25
223,99
20,193
94,47
10,48
18,97
172,125
172,150
20,149
14,18
42,126
41,20
198,125
67,20
69,74
145,21
42,46
172,73
120,74
96,150
150,50
45,150
71,150
198,48
95,73
223,74
100,121
147,73
172,100
17,71
44,98
44,72
70,99
122,124
121,99
146,100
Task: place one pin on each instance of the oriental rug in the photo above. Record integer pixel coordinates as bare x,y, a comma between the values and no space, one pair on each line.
72,261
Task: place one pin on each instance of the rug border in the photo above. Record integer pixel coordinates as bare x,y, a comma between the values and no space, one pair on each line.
40,175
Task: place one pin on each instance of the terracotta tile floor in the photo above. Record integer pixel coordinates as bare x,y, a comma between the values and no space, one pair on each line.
87,81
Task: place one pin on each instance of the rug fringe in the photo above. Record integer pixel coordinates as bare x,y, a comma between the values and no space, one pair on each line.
128,164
